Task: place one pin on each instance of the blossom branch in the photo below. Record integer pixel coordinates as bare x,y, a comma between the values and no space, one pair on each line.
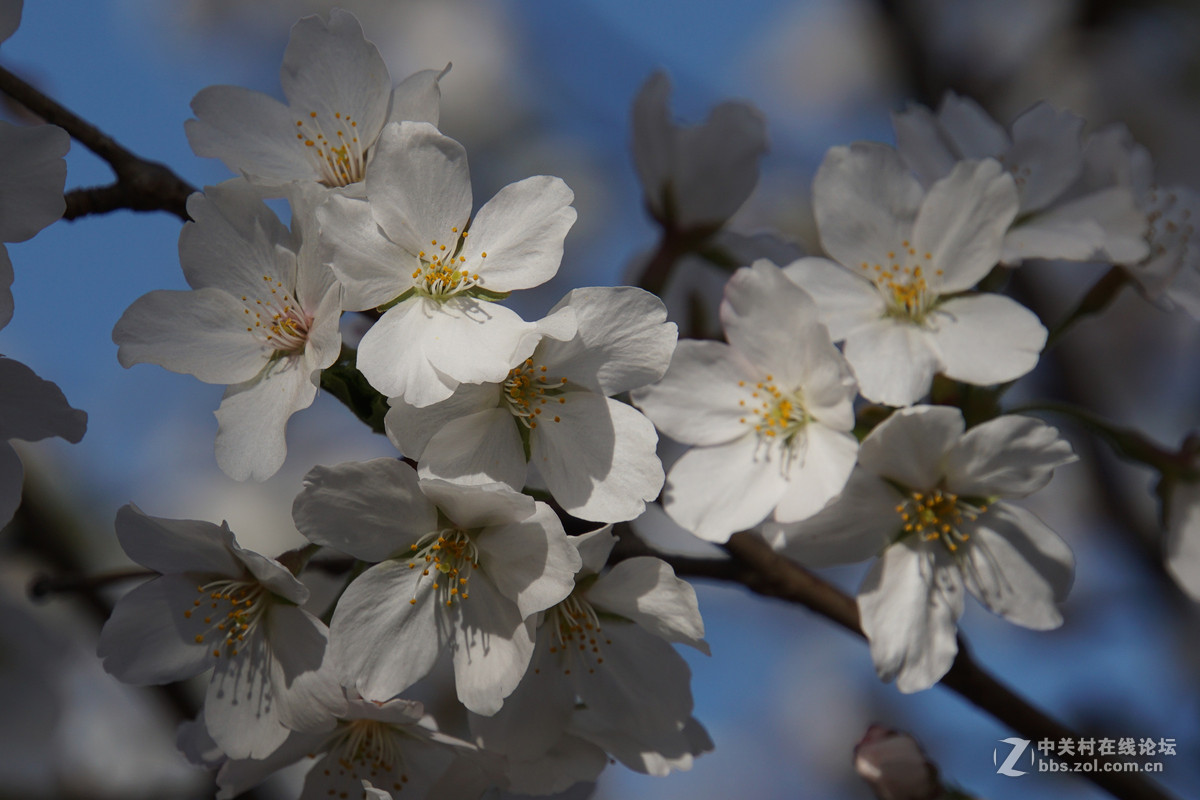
141,185
762,570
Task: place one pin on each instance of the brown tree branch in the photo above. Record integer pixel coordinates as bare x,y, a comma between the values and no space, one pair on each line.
141,185
762,570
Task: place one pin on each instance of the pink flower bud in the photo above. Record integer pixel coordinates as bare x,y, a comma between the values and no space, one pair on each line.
895,767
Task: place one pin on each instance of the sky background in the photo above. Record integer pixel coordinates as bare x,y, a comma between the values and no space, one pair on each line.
540,87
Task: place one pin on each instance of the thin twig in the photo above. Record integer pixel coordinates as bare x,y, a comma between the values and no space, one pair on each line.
141,185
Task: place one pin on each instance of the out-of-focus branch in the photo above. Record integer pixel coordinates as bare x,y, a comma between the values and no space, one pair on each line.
141,185
762,570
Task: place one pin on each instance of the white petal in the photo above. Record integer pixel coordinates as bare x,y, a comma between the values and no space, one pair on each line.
492,648
250,132
987,338
174,545
845,302
370,266
716,164
330,68
594,548
597,456
1046,154
910,606
716,491
775,324
909,447
820,467
865,201
853,528
974,134
1105,224
697,401
522,230
418,97
1018,567
382,643
253,417
1010,456
32,408
643,685
235,242
32,176
419,186
654,137
1183,537
646,591
240,709
391,356
530,562
484,447
479,505
147,640
894,361
535,714
370,509
623,341
201,332
420,346
305,689
921,141
410,428
962,223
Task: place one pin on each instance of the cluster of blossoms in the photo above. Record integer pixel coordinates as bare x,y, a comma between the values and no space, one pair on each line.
562,661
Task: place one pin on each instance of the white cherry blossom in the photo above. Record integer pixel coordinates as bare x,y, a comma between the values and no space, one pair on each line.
1183,536
1170,272
555,410
695,177
262,316
905,260
769,414
460,568
339,97
413,247
604,678
390,747
928,498
217,606
1044,152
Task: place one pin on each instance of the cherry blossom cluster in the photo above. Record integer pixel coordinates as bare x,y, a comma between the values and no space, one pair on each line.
821,420
559,663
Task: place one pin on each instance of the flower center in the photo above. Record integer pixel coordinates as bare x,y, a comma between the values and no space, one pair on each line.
938,516
904,283
452,555
338,157
231,609
367,747
776,415
441,274
576,633
276,318
527,389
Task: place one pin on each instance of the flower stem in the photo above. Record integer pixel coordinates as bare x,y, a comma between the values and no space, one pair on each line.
1102,293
